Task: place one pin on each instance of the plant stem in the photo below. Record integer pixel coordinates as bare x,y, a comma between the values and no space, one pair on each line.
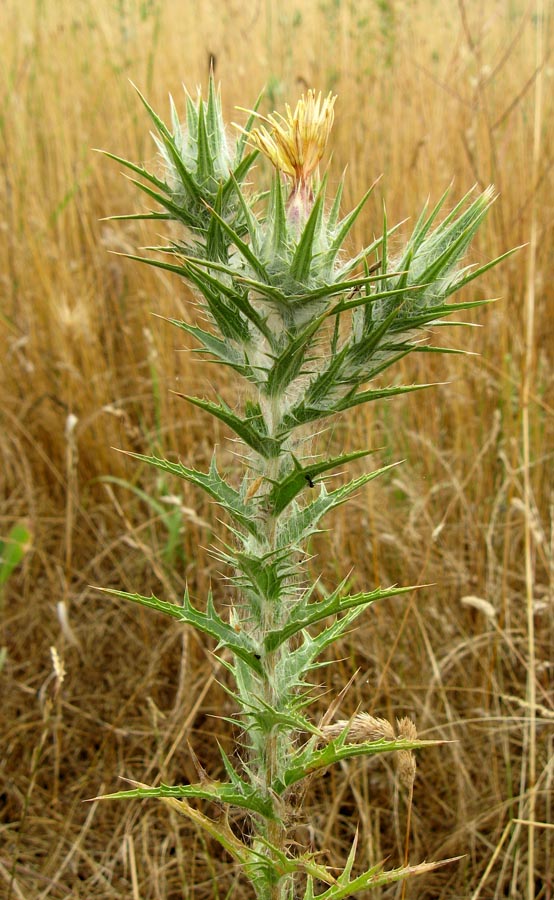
276,747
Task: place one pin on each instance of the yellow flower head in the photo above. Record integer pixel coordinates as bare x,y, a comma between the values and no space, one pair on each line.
295,143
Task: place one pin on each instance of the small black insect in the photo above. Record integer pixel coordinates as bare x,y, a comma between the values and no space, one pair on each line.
309,480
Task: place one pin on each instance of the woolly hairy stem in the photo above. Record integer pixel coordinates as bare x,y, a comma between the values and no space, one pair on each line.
278,742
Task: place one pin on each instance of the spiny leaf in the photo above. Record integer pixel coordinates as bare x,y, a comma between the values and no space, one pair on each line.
289,363
380,394
241,143
361,351
355,261
344,876
308,760
333,216
203,278
139,216
423,225
265,446
264,574
205,161
345,226
216,245
276,226
301,477
251,223
139,170
454,249
208,622
430,315
239,174
308,614
169,142
178,212
325,382
242,247
213,484
267,717
363,300
476,273
371,879
238,793
223,351
302,259
303,522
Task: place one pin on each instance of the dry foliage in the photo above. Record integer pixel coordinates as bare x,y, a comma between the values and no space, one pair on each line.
427,91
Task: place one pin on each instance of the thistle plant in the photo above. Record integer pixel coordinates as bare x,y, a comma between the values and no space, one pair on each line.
307,329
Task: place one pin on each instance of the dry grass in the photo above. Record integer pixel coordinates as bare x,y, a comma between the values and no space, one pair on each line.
427,91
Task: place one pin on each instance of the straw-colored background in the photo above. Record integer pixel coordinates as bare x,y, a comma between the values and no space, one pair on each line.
427,92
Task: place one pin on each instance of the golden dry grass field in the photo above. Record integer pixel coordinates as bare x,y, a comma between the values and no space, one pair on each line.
428,91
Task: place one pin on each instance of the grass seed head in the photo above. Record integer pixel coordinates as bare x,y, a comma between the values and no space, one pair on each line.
406,758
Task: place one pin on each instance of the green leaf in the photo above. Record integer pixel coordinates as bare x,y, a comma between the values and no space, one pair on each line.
359,352
459,205
442,250
203,278
344,876
223,351
192,117
251,223
215,125
355,261
169,143
430,315
241,143
239,174
242,247
216,245
302,259
307,297
476,273
263,575
238,793
178,212
230,325
344,228
306,614
364,299
12,550
449,257
267,717
333,216
372,879
380,394
205,166
423,225
384,247
324,383
213,485
139,170
267,447
307,760
283,492
276,225
208,623
288,365
303,522
139,216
